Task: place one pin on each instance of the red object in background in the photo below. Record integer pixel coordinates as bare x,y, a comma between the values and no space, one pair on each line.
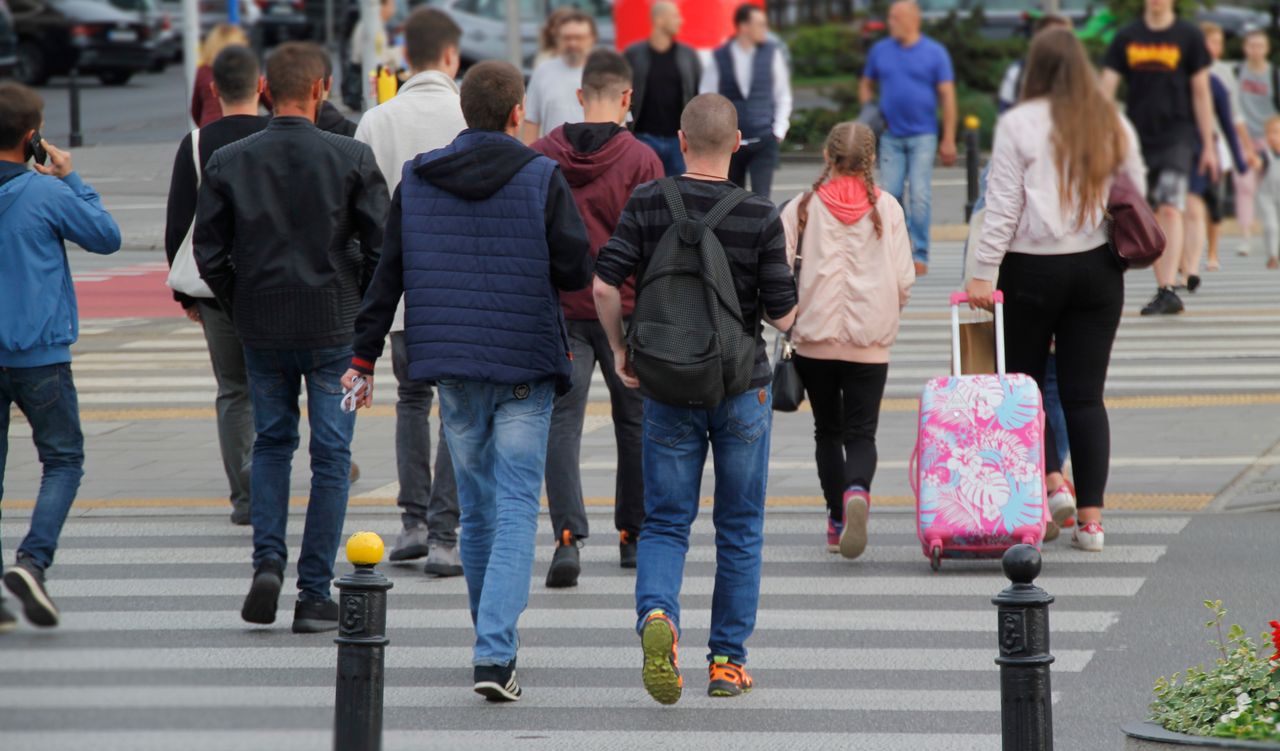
707,23
136,291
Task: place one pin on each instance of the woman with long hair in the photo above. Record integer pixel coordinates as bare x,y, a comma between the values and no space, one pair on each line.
1046,233
849,248
204,105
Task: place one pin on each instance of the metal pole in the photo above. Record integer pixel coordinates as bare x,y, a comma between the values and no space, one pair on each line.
515,45
971,158
328,26
370,19
76,139
190,47
1026,701
362,640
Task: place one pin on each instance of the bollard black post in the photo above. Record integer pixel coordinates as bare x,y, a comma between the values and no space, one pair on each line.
1026,702
76,139
971,157
362,638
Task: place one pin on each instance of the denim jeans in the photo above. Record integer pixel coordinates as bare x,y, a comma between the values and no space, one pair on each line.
275,376
906,164
675,450
564,446
234,406
668,150
498,439
1054,418
421,501
47,396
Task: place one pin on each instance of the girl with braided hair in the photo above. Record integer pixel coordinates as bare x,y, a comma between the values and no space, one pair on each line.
848,246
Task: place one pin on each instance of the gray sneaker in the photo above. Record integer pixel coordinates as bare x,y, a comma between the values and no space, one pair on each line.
443,562
410,544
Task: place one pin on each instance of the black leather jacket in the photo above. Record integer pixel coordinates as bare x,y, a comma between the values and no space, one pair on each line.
687,62
275,223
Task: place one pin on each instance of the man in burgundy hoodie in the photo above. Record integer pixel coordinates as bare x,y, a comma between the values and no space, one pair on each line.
603,163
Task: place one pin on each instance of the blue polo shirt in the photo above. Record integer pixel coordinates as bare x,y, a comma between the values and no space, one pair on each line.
908,79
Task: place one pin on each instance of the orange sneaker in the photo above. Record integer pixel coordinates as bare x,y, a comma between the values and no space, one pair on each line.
661,672
727,679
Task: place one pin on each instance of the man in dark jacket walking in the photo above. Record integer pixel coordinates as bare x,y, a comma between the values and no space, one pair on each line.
274,223
667,75
603,163
480,236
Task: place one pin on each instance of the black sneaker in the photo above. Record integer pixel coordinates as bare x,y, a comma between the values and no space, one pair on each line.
264,594
497,683
1193,283
7,620
240,514
565,564
26,582
627,549
1166,302
315,616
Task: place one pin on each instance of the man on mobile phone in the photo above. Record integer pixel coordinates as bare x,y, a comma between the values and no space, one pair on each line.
40,209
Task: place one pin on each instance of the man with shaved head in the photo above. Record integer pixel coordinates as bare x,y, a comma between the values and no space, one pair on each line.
676,438
666,75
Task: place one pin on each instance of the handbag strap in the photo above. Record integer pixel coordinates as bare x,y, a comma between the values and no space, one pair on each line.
195,154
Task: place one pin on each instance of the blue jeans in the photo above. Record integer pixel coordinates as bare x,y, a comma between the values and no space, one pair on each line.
1055,419
47,396
668,150
275,377
497,437
675,450
907,164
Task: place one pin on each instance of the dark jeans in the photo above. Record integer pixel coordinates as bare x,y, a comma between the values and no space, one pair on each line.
564,446
234,407
845,397
1074,300
1054,420
47,397
675,451
668,150
759,160
421,501
275,377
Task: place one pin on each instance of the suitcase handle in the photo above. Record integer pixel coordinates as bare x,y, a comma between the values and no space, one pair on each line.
960,298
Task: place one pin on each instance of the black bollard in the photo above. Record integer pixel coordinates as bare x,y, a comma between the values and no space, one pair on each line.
1026,702
362,638
971,158
76,139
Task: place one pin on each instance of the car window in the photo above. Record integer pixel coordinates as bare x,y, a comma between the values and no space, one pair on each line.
597,8
24,6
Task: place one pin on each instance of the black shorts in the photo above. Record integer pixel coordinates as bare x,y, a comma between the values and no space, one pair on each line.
1169,176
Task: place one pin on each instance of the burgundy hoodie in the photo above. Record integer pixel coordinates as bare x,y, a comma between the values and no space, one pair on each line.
603,163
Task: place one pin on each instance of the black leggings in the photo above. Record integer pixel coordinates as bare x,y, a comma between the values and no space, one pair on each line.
1074,300
845,397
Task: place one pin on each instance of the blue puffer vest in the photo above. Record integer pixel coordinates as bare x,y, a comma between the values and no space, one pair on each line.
755,110
479,302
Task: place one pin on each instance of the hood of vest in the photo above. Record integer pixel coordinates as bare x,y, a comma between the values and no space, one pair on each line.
477,165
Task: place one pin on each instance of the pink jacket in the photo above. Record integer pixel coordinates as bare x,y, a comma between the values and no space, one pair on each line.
852,284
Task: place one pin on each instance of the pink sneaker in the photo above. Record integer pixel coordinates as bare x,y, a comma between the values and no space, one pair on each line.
1088,537
833,535
853,538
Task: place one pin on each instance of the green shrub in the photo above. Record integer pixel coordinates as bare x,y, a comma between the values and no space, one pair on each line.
824,51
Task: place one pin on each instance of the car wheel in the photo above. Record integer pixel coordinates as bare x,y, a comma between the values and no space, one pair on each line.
115,77
32,69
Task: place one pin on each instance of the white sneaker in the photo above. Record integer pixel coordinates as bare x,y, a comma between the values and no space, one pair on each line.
1246,248
1088,537
1062,506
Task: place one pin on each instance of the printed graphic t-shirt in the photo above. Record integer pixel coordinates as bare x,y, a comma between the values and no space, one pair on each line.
1157,67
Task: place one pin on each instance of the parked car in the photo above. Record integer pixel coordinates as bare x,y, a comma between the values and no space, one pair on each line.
55,35
8,43
484,25
165,39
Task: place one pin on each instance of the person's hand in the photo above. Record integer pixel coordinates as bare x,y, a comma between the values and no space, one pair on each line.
349,382
59,161
981,294
947,152
1209,163
1255,162
193,313
623,368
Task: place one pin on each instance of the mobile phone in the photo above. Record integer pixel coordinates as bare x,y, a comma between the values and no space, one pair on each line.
35,150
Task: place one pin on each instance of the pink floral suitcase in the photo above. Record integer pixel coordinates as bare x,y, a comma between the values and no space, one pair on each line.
978,466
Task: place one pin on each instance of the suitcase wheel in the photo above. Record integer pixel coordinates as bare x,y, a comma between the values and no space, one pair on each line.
935,557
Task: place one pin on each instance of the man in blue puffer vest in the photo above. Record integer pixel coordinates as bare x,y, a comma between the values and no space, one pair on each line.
39,211
480,237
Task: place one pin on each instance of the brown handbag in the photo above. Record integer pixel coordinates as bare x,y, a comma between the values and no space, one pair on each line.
1136,238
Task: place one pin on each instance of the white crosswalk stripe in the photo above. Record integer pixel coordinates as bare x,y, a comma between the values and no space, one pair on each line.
151,623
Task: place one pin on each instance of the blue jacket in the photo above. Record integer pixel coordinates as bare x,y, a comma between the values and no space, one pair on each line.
38,320
480,237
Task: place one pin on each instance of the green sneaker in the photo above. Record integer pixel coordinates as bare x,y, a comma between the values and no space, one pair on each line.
727,679
661,671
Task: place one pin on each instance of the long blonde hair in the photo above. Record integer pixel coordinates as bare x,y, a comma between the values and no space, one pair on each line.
219,38
850,151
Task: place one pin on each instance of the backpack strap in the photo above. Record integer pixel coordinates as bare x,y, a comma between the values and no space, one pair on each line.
195,154
725,207
671,194
1275,86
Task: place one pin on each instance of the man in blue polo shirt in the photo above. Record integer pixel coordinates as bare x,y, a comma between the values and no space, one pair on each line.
913,73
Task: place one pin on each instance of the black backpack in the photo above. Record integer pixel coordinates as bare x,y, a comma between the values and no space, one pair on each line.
688,344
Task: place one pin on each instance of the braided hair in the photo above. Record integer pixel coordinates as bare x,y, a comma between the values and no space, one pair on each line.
851,151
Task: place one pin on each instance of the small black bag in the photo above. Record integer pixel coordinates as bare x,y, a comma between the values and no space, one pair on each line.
788,389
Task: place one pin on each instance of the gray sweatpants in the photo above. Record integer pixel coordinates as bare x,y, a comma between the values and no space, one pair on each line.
421,501
234,408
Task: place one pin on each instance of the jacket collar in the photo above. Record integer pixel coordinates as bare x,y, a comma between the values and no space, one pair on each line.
428,80
289,123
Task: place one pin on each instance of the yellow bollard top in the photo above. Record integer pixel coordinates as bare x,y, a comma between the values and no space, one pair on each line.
364,549
972,122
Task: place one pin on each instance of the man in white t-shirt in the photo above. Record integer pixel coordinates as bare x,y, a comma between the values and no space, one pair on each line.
552,97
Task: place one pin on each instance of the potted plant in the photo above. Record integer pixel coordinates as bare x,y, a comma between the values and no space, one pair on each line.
1233,705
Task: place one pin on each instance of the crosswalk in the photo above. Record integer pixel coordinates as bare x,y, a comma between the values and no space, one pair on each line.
874,654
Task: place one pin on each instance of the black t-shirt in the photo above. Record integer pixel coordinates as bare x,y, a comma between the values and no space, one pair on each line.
1157,67
663,96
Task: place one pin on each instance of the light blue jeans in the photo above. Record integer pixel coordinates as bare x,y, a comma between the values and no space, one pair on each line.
497,437
906,164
